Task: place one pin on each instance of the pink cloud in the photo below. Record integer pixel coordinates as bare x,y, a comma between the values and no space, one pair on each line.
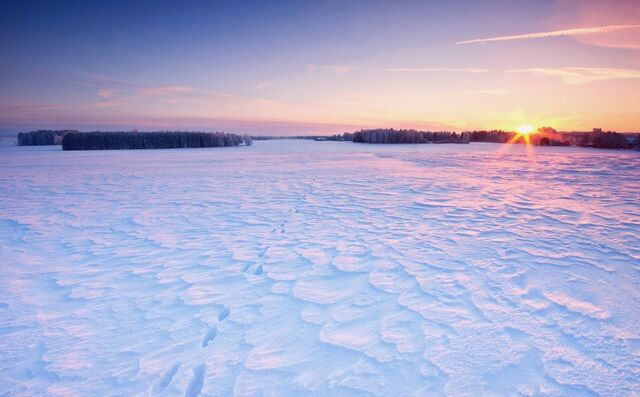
600,13
332,68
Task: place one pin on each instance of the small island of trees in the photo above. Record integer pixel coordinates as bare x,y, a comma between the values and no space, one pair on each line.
150,140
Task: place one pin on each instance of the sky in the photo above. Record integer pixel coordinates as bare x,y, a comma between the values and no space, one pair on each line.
319,67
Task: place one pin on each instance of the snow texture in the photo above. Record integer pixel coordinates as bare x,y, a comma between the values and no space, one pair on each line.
320,269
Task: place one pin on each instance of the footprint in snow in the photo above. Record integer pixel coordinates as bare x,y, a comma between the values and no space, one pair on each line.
224,314
258,271
197,381
166,379
209,336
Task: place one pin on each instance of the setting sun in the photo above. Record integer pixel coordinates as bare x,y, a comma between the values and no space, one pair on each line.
525,129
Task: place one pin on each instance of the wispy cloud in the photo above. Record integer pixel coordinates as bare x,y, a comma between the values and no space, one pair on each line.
555,33
439,69
104,93
109,87
111,98
332,68
128,96
165,90
90,79
497,91
105,104
583,75
260,86
31,108
361,98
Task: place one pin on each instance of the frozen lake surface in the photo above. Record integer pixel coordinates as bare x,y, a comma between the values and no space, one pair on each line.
320,269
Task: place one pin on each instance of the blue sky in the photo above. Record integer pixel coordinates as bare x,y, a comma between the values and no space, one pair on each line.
312,67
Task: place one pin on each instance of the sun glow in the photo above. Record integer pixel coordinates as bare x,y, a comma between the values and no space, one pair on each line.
524,134
525,129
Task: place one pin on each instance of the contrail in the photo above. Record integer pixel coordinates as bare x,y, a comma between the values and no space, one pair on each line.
556,33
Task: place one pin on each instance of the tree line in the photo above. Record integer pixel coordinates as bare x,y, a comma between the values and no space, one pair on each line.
547,136
150,140
42,137
391,135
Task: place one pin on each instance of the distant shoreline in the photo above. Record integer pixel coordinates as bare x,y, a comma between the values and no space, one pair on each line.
98,140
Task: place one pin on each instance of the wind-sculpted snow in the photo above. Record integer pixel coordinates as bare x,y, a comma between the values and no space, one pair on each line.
318,269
